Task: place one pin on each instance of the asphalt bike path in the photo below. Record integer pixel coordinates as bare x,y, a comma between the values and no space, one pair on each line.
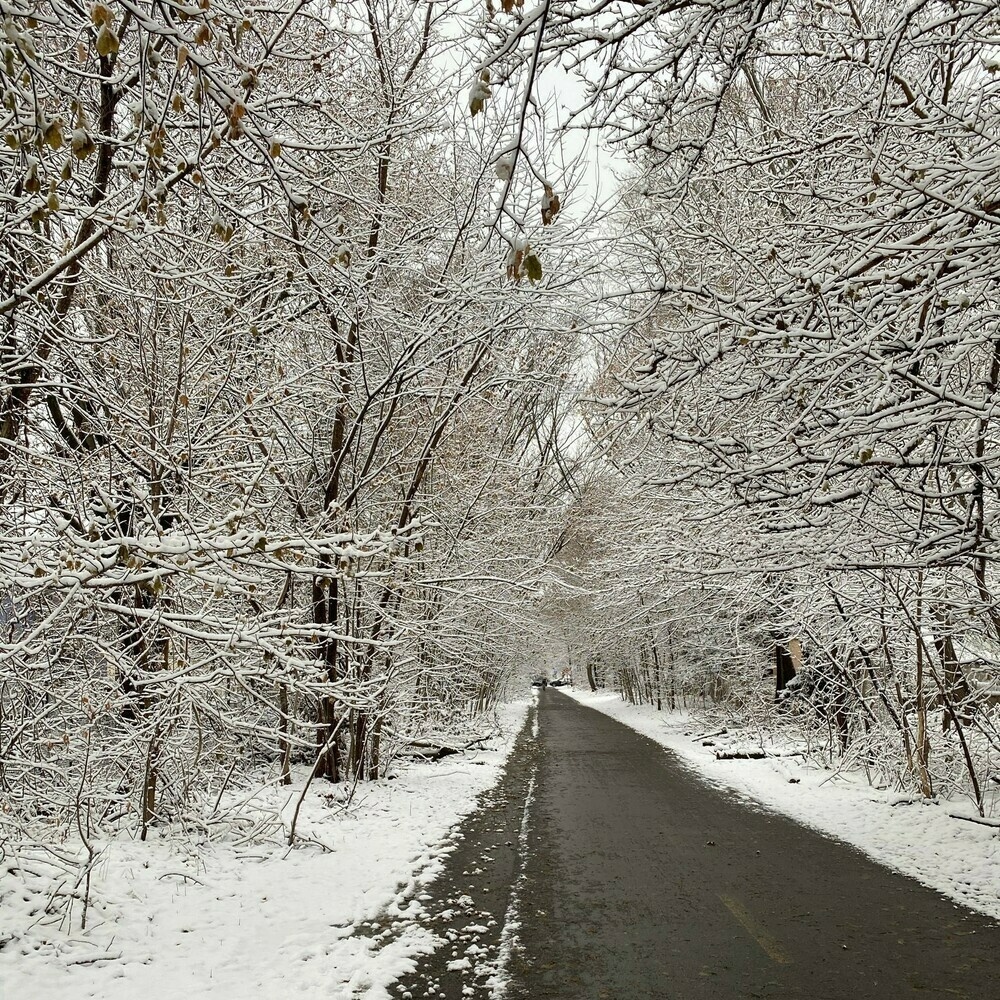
613,872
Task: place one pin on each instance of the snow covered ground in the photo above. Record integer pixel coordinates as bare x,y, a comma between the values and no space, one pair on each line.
187,917
241,915
960,859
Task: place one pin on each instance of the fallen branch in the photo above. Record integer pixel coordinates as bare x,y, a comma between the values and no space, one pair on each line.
741,755
435,751
94,960
711,735
189,878
981,820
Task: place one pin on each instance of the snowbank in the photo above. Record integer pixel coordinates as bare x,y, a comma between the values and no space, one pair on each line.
182,916
959,858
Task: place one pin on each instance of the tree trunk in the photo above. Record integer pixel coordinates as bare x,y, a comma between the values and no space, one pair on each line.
326,613
148,804
284,743
784,668
923,747
656,676
955,688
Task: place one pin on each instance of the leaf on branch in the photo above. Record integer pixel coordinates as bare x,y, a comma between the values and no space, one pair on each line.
533,268
479,93
53,134
523,262
107,41
515,260
101,14
82,144
222,228
550,206
504,167
154,144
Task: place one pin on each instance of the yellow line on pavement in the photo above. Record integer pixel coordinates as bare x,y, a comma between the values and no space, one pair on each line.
767,943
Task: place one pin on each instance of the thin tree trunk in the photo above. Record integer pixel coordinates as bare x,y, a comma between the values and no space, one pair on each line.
923,748
148,803
284,742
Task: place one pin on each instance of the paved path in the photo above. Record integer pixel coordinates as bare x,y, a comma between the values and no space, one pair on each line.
638,881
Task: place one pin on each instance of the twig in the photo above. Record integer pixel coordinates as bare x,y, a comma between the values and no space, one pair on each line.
312,774
222,790
190,878
94,960
994,824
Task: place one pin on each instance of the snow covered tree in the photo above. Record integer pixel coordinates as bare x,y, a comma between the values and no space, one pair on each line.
814,191
265,382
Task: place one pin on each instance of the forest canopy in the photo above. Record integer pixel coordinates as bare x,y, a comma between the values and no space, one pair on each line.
337,393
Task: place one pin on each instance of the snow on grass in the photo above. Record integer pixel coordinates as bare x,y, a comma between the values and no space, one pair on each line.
958,858
185,916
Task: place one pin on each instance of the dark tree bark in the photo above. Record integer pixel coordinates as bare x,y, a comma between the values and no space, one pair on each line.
784,668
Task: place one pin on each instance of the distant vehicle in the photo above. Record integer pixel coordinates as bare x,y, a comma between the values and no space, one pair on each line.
560,682
539,682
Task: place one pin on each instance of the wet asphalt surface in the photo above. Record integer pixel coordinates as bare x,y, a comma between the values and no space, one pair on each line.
631,879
